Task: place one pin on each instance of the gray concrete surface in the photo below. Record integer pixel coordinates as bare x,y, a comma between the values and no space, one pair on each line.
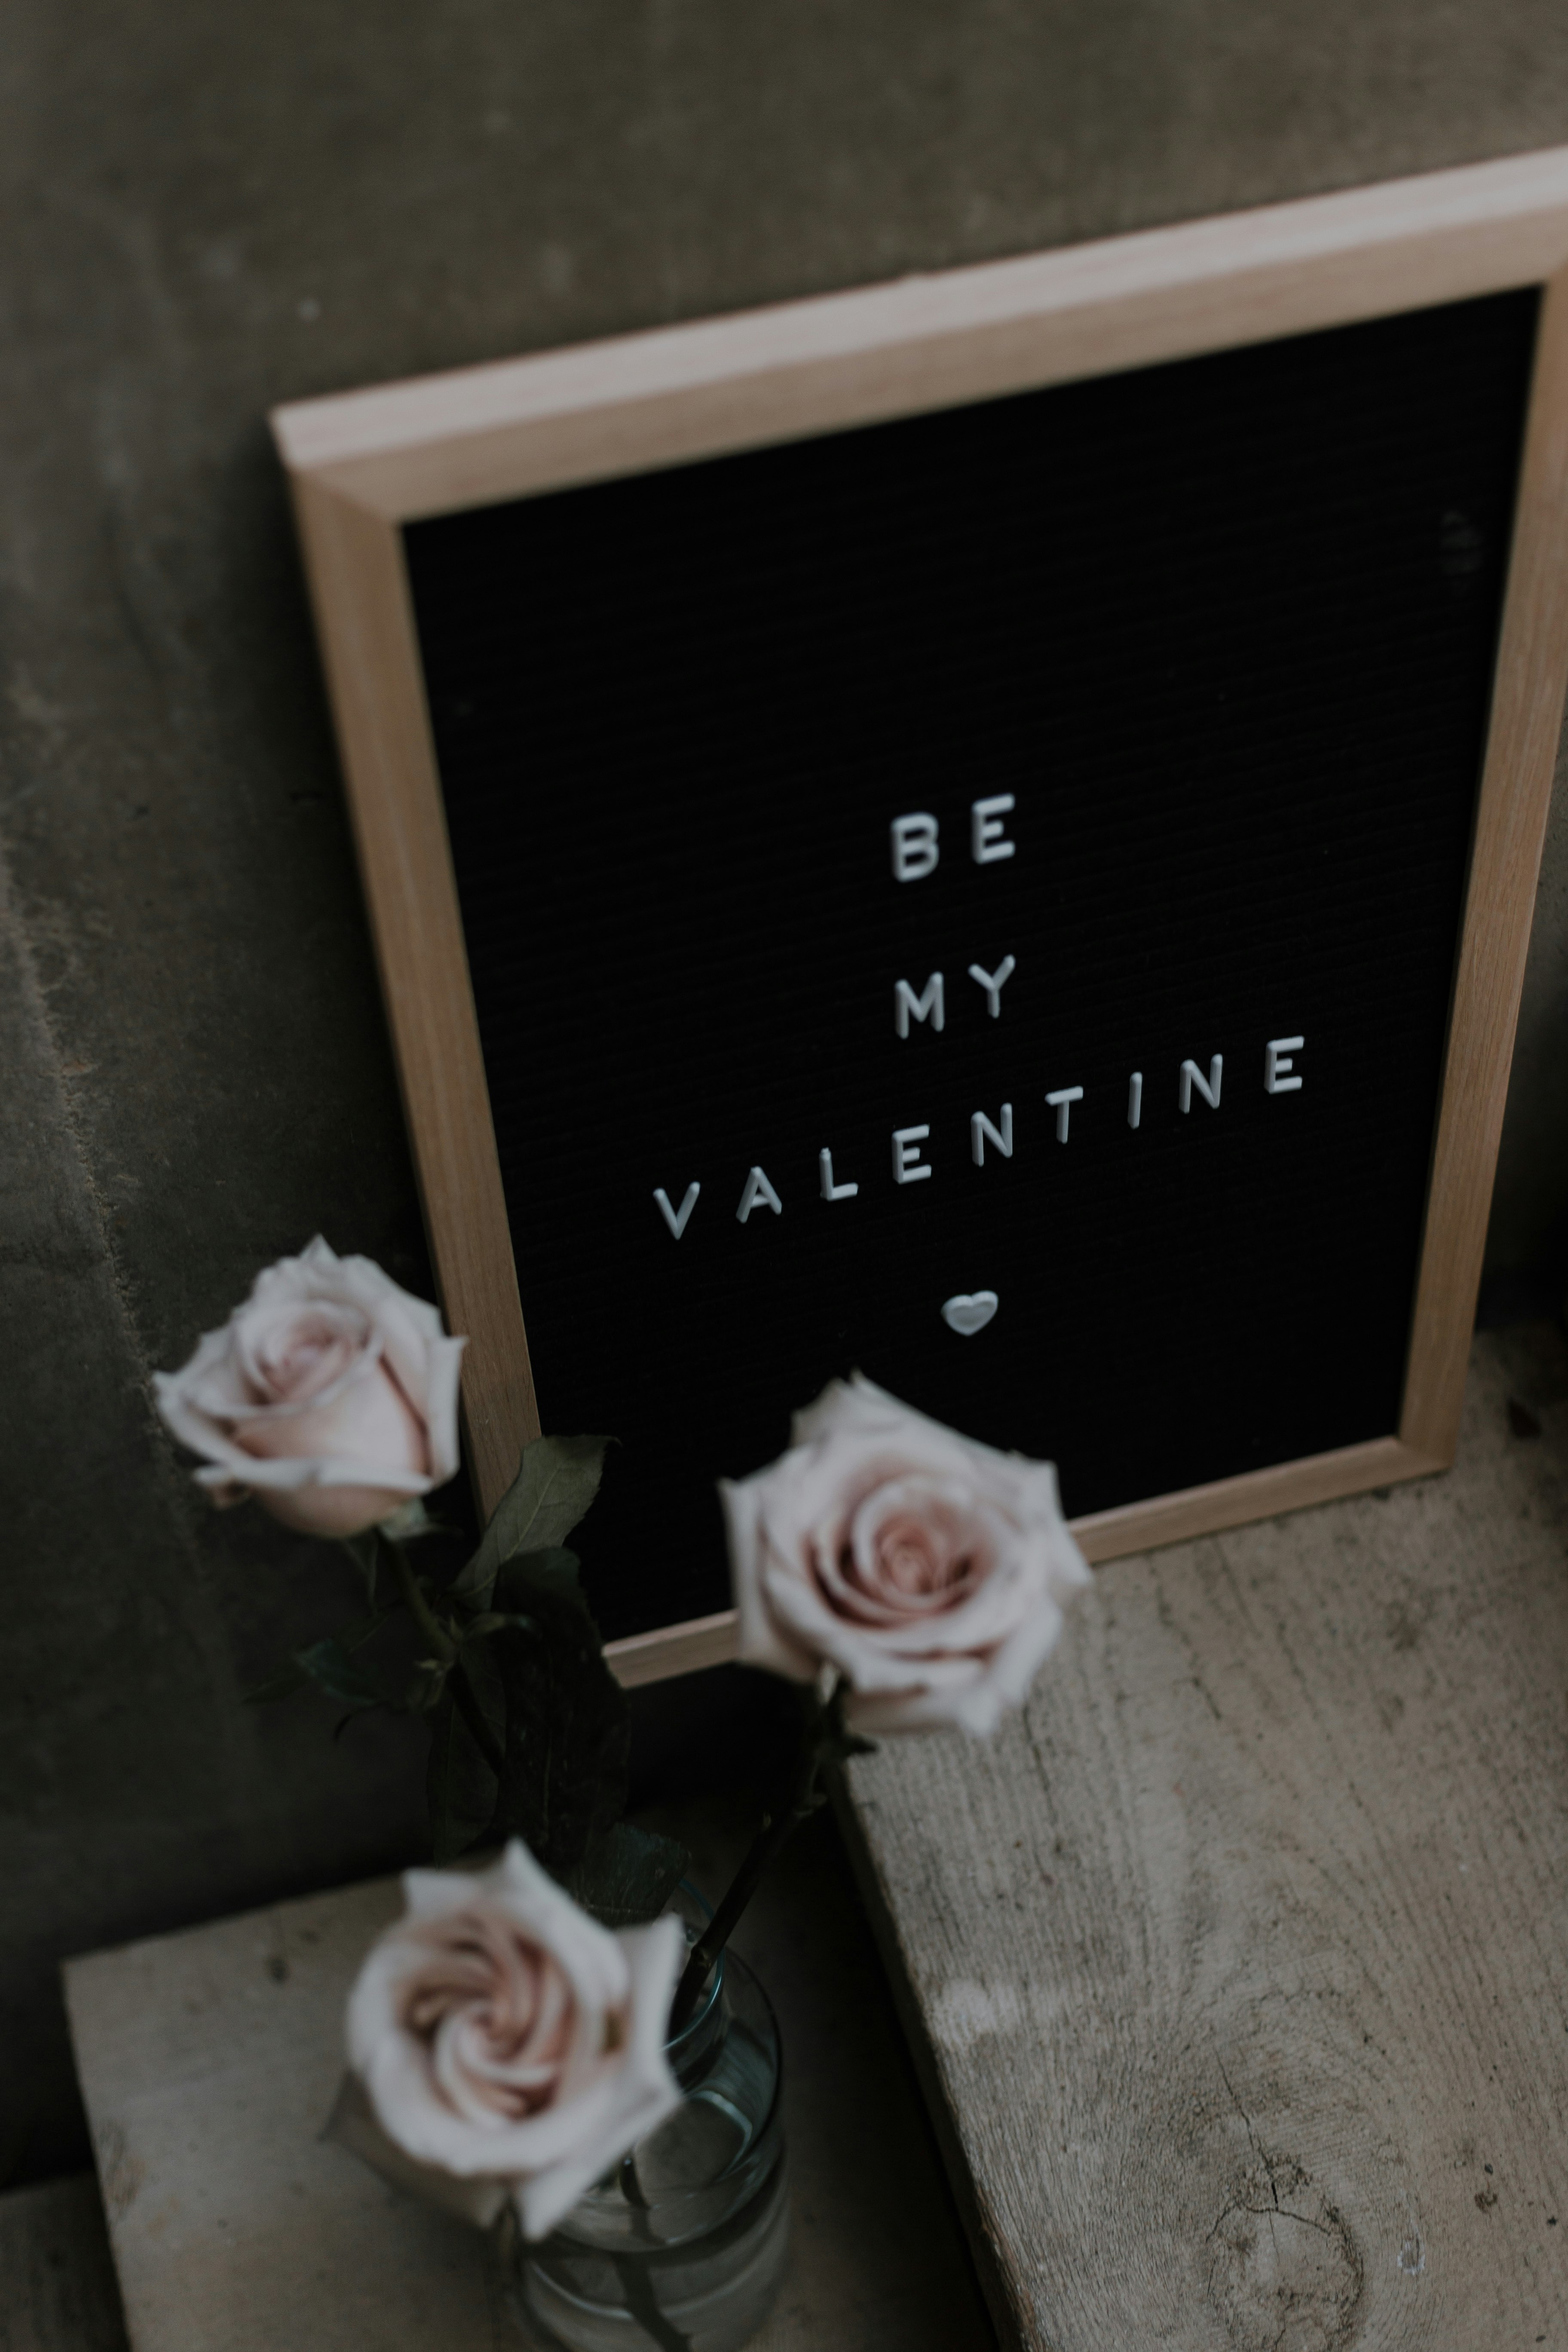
206,209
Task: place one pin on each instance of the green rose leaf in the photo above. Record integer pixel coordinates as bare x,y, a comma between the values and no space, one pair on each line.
568,1733
556,1483
628,1876
458,1785
426,1687
330,1668
289,1679
293,1675
479,1629
520,1581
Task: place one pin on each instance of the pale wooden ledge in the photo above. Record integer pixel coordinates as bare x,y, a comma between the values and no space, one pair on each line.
209,2061
1241,1961
56,2281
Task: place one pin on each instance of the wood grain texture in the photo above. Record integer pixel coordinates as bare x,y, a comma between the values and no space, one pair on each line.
673,1649
486,433
1510,829
57,2280
1241,1959
210,2060
1102,1535
366,621
1257,1493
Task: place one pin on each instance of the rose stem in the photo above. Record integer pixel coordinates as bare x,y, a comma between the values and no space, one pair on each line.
637,2284
816,1741
447,1651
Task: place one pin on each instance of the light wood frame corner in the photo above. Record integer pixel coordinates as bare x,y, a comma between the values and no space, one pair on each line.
364,464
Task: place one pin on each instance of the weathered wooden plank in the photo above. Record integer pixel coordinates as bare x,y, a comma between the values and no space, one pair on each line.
56,2281
209,2062
1241,1959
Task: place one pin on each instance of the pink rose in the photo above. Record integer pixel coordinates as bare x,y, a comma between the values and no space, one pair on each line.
505,2038
930,1570
331,1395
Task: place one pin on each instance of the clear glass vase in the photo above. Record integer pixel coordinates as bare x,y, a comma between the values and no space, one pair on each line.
681,2247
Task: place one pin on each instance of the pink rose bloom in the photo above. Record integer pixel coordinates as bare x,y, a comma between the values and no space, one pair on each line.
505,2039
331,1395
929,1569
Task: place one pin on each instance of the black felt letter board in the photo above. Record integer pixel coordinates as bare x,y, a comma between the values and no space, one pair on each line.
1222,631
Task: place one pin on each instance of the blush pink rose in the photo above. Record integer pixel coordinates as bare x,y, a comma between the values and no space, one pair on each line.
331,1395
504,2038
930,1570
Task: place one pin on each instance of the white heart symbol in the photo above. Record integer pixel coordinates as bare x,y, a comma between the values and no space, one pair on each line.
969,1311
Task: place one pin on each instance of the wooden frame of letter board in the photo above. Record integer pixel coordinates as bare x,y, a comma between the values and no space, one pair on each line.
364,464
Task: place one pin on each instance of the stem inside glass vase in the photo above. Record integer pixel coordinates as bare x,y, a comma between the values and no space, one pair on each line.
823,1740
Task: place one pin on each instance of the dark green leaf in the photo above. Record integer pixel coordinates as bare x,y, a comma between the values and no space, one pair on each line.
457,1783
567,1735
520,1581
479,1629
490,1697
331,1668
628,1876
289,1679
426,1685
557,1481
292,1676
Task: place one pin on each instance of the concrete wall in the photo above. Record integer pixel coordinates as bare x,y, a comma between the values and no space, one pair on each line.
211,209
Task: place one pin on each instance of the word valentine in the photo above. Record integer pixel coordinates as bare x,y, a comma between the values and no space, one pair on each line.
910,1166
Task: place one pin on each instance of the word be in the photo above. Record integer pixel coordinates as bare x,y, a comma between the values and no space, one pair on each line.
909,1167
916,847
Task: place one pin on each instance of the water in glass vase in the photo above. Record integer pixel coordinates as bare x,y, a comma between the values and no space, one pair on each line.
680,2249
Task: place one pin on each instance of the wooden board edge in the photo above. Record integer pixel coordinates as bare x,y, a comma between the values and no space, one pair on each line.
672,1650
1522,742
1256,1495
354,561
701,1641
1006,2294
633,403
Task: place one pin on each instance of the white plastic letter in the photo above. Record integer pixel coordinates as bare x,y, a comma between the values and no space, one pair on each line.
908,1166
830,1191
930,1002
915,851
985,829
994,982
1276,1061
1209,1088
759,1194
677,1219
1135,1098
1061,1102
980,1130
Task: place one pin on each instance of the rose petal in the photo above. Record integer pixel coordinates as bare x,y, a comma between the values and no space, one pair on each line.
760,1641
927,1569
330,1376
488,1996
368,1421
